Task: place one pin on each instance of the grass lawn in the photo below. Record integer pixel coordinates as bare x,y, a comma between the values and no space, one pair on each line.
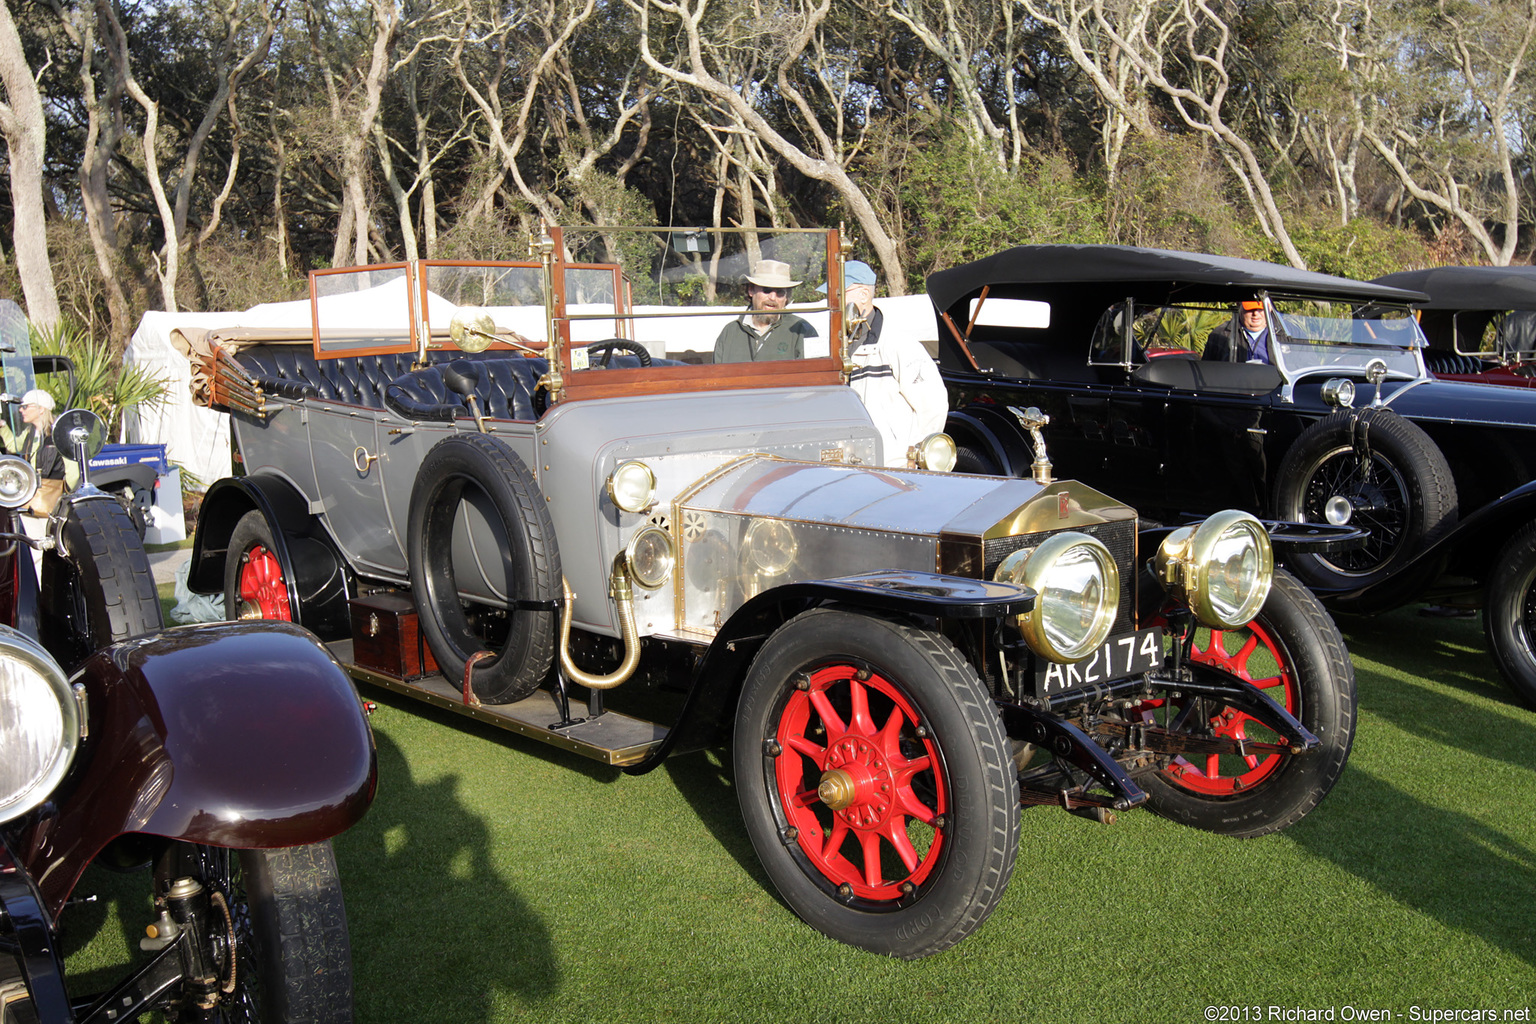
498,880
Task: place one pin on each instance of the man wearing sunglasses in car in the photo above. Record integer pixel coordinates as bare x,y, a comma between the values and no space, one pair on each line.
763,332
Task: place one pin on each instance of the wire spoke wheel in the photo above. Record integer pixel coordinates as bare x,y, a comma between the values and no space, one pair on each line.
1378,496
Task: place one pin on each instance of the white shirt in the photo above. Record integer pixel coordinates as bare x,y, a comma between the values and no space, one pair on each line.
900,386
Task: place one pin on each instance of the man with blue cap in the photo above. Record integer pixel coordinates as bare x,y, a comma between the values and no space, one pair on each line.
895,376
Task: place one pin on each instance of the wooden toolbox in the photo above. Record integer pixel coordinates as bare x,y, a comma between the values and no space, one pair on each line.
386,636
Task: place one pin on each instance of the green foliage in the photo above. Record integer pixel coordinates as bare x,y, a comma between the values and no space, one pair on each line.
1170,192
958,203
102,384
1362,249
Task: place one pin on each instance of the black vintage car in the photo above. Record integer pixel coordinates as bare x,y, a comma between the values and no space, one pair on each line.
1342,423
1480,322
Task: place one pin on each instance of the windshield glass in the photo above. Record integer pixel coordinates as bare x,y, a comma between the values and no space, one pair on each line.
656,309
1320,336
15,361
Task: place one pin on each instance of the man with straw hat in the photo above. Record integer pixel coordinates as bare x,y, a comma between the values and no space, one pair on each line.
762,332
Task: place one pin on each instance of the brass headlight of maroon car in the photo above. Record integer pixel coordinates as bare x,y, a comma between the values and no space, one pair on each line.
39,724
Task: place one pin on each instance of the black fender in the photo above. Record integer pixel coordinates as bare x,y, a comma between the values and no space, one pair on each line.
995,432
719,673
1466,550
31,940
240,735
319,580
135,474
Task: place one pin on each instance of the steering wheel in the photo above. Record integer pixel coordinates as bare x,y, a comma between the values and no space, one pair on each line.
607,349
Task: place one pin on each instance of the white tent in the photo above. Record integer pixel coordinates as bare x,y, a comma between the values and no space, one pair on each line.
198,438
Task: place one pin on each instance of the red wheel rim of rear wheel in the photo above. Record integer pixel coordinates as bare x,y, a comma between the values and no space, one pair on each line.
829,725
1213,777
262,585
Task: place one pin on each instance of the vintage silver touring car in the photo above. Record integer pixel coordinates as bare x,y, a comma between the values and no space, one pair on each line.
515,504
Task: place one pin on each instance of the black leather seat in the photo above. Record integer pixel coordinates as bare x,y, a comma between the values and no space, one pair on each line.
504,391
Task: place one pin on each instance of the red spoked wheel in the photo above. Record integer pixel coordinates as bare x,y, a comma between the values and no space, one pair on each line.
854,736
1293,653
861,783
1252,655
255,586
263,591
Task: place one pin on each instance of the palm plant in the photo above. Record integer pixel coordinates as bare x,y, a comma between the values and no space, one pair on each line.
102,383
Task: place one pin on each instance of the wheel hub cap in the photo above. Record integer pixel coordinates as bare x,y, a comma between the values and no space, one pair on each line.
1338,510
859,780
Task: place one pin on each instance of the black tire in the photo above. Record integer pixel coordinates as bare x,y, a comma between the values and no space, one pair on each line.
136,501
607,348
294,955
1509,613
457,469
1407,500
98,587
917,679
1299,661
255,586
973,460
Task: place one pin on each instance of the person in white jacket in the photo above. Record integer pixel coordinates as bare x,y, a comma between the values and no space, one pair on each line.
895,376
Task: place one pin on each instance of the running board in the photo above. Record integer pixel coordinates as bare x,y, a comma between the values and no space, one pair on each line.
611,738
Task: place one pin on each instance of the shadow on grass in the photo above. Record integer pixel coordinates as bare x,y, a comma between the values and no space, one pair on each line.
425,902
1453,652
1430,860
1432,655
704,780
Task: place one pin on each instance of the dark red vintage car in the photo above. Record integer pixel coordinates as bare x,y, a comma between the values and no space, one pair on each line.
1480,322
217,759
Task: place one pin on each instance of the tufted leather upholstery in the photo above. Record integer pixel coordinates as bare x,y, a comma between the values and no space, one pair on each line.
1439,361
504,391
293,372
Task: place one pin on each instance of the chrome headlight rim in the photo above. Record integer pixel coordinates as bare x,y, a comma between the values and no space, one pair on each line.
1187,561
1033,568
19,652
632,487
18,482
935,453
646,567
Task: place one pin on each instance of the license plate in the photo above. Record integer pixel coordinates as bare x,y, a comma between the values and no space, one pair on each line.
1119,657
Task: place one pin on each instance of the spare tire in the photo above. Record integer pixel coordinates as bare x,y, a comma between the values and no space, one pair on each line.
475,476
1406,497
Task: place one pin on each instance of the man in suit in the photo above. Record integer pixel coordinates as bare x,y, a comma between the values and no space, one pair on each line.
1253,336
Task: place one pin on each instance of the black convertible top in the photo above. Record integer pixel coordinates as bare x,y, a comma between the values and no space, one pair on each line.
1470,287
1147,275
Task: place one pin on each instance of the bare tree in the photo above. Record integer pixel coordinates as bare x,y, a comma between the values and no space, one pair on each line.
21,122
787,33
354,78
1184,50
234,54
1444,123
